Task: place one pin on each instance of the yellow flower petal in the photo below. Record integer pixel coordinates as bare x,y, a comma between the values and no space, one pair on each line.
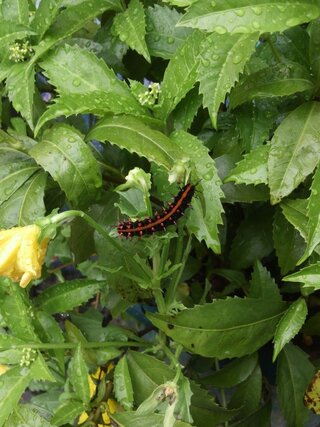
113,406
83,417
8,254
21,254
105,418
92,386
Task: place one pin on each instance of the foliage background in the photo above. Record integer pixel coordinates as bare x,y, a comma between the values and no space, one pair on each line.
238,115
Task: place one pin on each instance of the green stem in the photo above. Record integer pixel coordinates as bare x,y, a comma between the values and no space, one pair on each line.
274,50
179,258
74,213
68,345
156,283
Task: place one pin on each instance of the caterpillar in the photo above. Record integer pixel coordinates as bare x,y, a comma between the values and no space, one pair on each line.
160,220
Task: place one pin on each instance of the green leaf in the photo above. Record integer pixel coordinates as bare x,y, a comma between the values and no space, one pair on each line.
232,374
247,396
313,227
252,169
67,295
260,417
309,276
130,26
16,168
314,51
16,11
229,328
40,370
49,332
122,384
26,204
97,103
205,217
136,137
16,310
10,31
132,419
182,408
44,15
249,16
181,74
13,384
20,85
25,416
253,239
294,151
262,285
296,213
71,20
223,58
147,373
254,122
294,373
163,38
67,412
288,243
289,325
91,74
78,373
277,80
80,176
186,110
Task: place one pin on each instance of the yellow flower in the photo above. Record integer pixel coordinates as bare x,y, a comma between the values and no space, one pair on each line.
21,253
112,405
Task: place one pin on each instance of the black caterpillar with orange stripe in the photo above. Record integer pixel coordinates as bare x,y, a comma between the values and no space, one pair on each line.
160,220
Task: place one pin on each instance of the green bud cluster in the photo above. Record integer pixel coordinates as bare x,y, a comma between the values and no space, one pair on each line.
150,96
20,51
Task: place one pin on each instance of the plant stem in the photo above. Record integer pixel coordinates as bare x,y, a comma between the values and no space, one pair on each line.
274,50
156,283
179,258
60,217
68,345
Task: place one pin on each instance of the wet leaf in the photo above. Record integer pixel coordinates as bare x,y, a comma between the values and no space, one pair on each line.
222,59
249,16
80,177
130,27
295,150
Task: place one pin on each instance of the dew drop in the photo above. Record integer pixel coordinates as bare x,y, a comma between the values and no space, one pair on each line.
213,3
257,10
237,59
281,7
170,40
76,82
215,57
239,12
205,62
256,25
242,29
208,176
220,30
